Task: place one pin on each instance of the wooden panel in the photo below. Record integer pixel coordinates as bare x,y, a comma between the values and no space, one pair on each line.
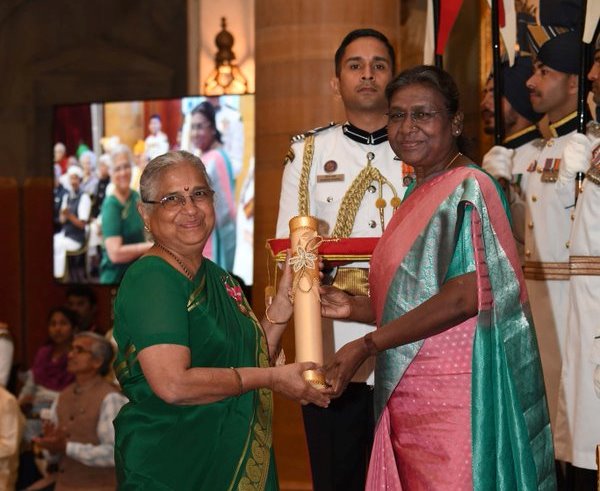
10,266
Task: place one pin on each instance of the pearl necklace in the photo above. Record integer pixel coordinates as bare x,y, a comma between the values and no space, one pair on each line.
179,261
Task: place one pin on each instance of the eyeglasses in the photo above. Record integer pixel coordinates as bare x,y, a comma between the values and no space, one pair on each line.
79,349
174,202
415,116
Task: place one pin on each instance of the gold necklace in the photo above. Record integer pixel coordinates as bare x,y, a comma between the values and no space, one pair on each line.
452,161
179,261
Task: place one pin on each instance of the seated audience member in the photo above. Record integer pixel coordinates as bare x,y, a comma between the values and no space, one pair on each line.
48,374
103,171
122,226
59,192
11,431
6,353
74,214
89,183
60,156
95,236
82,300
80,432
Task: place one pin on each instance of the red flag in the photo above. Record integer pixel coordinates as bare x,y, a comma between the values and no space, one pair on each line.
447,17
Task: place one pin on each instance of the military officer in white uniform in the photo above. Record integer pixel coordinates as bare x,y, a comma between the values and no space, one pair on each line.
346,176
553,91
510,160
578,418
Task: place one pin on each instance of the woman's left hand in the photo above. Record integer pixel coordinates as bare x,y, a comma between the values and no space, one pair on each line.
344,365
281,309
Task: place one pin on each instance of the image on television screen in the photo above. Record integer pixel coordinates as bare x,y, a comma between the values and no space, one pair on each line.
100,151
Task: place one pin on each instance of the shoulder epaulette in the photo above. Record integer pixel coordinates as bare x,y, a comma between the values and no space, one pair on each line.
302,136
593,129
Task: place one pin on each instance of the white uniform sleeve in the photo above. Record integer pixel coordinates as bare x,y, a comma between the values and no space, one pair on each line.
288,201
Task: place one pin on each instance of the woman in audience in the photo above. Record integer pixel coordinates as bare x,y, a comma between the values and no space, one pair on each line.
193,359
48,374
122,226
459,393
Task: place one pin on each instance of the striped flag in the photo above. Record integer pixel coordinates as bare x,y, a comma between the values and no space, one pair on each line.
507,18
448,12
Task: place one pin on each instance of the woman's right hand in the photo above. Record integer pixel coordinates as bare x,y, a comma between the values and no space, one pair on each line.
337,304
288,381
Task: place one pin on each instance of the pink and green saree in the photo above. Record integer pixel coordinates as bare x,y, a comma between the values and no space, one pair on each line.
464,409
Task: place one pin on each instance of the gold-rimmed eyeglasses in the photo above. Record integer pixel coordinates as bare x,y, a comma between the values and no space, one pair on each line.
178,201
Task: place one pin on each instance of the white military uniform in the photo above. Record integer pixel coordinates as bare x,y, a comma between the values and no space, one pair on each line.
526,150
340,154
547,229
579,413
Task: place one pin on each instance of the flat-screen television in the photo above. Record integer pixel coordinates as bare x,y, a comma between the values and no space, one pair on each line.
100,151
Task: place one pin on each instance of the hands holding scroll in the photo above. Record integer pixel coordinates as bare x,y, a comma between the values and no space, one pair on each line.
337,304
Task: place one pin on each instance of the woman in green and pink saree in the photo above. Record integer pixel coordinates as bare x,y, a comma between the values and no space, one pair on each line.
459,394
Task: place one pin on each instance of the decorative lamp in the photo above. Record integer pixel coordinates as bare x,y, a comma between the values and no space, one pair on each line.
226,78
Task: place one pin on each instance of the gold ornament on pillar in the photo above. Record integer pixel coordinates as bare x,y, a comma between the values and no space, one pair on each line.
226,78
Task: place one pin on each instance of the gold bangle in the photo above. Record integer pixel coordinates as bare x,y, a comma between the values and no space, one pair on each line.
271,321
239,381
370,344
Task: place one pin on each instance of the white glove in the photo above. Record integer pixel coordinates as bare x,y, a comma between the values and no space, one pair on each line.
498,162
577,156
597,381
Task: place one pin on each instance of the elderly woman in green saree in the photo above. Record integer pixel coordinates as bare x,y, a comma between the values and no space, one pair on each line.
459,394
193,359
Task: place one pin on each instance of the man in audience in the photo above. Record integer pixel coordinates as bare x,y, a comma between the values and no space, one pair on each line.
82,300
578,418
60,157
74,215
11,432
80,432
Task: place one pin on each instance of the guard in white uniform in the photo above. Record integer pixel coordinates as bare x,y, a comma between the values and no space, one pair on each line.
553,90
508,162
579,416
347,176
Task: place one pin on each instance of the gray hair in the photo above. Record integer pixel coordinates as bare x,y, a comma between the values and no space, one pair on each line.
155,168
119,149
92,156
101,349
105,159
